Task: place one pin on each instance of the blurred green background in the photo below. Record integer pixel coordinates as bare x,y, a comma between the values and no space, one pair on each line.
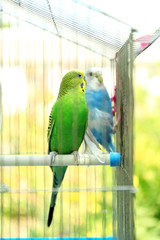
147,143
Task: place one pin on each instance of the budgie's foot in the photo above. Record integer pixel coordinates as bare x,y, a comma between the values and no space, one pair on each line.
76,157
52,158
116,124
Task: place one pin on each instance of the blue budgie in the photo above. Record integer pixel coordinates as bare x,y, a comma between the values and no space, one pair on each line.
100,118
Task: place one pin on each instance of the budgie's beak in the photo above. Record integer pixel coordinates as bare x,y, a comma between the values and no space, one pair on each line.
99,76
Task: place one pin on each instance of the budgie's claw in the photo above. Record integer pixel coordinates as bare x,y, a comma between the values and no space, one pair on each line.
52,158
76,157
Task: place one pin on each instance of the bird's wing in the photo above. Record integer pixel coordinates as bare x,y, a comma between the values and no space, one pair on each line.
104,103
99,99
99,120
105,117
50,127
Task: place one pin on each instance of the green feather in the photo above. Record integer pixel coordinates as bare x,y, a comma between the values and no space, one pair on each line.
67,125
50,128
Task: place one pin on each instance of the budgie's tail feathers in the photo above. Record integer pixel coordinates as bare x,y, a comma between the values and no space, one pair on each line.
111,147
57,180
51,210
50,215
90,144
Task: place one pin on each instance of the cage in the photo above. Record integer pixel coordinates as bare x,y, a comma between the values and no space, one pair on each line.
40,42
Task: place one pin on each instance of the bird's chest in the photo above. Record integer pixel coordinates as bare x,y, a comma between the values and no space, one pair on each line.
98,99
70,124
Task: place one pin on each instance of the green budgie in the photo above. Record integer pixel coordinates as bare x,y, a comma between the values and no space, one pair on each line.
67,126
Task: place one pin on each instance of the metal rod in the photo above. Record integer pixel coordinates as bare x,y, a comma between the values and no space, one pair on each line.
60,160
64,238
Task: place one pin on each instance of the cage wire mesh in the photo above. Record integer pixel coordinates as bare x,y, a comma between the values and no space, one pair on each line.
93,202
124,174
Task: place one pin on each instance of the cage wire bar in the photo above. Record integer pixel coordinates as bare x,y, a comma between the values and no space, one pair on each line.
124,139
40,41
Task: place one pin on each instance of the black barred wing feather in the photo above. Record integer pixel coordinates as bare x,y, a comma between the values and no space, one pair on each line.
50,128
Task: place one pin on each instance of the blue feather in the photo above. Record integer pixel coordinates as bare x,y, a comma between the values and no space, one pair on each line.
100,116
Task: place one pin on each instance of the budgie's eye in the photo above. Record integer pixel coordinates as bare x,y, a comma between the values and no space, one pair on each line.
79,75
90,74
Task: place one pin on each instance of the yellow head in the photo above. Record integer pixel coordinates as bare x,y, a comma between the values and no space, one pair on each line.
72,81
